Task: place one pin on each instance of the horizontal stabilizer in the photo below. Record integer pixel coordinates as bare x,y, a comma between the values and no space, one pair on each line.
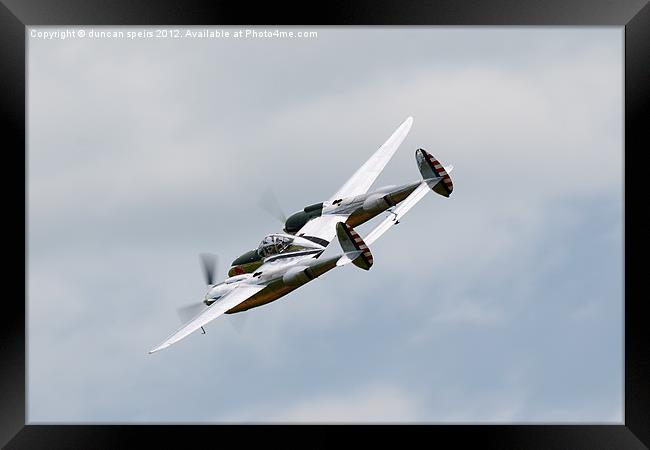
348,257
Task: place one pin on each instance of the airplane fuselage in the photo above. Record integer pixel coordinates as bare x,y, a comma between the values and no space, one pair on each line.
286,280
360,208
286,273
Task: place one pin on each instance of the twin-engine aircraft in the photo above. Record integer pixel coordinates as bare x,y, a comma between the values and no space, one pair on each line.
285,261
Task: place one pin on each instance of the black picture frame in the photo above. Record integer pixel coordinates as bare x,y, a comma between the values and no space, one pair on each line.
634,15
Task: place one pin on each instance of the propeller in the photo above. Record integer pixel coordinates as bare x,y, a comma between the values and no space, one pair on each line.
209,263
269,202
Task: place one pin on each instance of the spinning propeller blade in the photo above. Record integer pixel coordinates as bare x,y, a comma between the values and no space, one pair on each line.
269,203
209,264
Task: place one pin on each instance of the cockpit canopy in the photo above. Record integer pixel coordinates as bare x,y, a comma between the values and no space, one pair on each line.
273,244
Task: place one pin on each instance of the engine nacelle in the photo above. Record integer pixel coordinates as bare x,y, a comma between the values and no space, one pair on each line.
297,276
216,292
376,203
297,220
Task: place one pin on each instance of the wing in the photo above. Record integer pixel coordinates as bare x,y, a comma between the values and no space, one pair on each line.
401,209
322,228
228,301
368,173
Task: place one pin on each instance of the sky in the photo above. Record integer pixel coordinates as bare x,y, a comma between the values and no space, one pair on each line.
500,304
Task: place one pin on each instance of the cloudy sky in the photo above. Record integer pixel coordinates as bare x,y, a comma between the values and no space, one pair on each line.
500,304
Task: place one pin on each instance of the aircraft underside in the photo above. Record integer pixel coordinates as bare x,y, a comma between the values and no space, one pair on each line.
279,288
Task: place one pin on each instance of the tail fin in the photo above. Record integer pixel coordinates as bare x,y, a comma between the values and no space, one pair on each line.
434,173
356,251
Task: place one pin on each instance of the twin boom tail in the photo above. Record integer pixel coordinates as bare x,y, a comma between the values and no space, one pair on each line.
436,176
356,251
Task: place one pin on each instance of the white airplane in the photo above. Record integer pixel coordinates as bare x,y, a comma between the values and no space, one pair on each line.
285,261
